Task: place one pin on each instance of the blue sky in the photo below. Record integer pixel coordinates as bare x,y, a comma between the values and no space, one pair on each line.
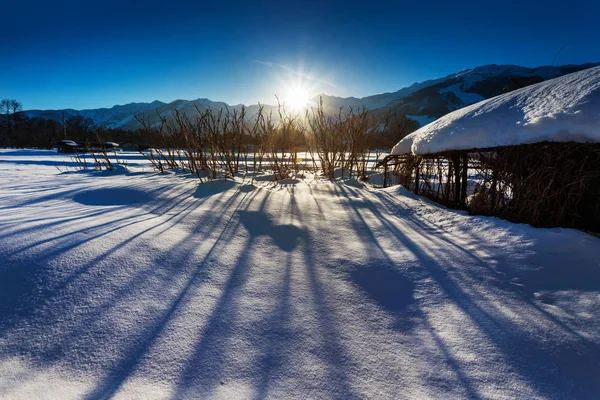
97,54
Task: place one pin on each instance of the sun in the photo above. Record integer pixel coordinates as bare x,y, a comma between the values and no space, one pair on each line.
297,88
296,98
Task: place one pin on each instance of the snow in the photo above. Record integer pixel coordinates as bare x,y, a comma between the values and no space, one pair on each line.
562,109
404,146
121,123
145,285
465,97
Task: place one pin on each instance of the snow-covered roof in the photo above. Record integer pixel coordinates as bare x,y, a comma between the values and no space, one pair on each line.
68,142
404,146
559,110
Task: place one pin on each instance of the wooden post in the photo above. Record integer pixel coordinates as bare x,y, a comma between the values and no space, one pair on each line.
446,195
385,172
417,176
456,162
465,177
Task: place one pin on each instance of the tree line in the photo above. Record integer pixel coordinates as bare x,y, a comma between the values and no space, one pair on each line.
17,130
220,140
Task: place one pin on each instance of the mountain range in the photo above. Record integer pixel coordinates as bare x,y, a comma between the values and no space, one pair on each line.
424,101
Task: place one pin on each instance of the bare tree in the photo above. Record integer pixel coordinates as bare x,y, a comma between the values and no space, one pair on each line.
9,108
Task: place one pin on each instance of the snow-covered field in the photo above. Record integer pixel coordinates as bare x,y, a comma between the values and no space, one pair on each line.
141,285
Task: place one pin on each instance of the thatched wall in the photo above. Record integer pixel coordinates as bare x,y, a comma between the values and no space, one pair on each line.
543,184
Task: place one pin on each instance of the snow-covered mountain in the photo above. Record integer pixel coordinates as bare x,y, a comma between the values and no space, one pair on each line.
424,101
432,99
123,116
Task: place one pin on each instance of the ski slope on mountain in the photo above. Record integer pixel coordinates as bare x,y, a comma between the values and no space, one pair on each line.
135,284
559,110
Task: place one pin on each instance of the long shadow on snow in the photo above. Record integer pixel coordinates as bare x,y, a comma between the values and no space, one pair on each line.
257,223
24,287
201,372
66,201
161,208
337,360
173,263
125,367
273,353
551,274
553,372
397,297
48,163
275,348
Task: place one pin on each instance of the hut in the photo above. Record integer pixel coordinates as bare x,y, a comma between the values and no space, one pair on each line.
68,146
111,146
531,155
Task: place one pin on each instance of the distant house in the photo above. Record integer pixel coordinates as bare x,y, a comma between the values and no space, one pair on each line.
531,155
109,146
68,146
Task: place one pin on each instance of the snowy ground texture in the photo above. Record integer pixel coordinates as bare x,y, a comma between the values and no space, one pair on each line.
558,110
142,285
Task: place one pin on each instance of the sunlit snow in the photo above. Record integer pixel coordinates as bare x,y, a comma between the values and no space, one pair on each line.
137,284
